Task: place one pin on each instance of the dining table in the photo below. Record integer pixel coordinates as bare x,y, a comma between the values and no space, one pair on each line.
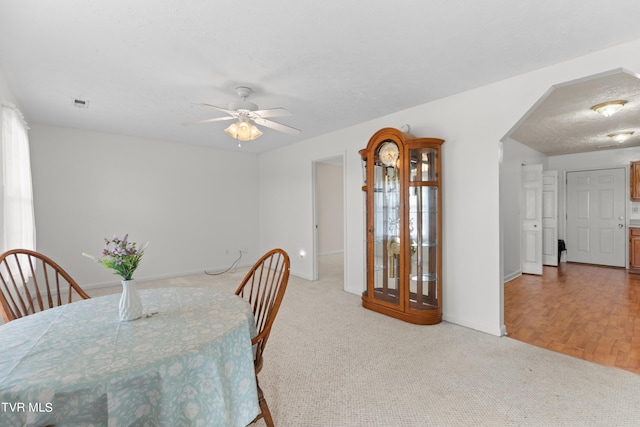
188,361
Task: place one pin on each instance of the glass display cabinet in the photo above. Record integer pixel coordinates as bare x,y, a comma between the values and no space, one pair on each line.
402,176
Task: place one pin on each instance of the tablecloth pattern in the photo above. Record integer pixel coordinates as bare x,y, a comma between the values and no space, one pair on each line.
191,364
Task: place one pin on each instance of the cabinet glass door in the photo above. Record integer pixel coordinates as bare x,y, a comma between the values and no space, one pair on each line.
386,233
423,230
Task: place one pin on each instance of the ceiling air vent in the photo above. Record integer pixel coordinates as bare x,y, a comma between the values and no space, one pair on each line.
80,103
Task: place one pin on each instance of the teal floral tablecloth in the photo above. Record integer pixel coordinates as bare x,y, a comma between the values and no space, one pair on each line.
191,364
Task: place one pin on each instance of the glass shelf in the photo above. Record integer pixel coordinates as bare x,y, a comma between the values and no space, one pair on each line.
429,277
430,244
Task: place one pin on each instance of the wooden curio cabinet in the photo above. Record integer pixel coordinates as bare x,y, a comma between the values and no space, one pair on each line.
403,226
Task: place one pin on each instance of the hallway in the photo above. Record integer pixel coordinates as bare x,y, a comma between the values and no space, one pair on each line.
582,310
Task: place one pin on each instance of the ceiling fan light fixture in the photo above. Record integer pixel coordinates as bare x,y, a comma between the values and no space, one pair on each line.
620,136
609,108
243,131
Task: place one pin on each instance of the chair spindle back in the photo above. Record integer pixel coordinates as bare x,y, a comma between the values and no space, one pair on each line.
31,282
263,287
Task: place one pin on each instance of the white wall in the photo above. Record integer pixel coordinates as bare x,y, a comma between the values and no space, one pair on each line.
191,203
472,123
6,95
286,196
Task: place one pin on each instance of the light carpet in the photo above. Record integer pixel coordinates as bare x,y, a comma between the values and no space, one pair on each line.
330,362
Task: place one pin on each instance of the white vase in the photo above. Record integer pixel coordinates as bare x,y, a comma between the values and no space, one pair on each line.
130,307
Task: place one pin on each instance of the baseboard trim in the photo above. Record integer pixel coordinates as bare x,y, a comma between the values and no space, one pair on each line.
143,279
512,276
302,276
331,253
497,331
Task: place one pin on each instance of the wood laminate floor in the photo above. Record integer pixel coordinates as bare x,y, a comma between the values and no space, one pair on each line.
582,310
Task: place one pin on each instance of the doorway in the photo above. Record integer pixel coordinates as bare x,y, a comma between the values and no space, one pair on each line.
329,217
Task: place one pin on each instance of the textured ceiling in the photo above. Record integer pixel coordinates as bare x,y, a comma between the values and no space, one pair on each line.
143,65
562,121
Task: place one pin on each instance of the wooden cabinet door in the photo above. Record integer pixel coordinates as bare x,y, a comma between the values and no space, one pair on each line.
634,250
634,174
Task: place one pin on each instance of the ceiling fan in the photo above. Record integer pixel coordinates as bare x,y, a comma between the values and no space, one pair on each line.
246,113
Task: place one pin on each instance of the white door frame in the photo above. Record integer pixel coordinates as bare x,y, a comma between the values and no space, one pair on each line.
338,159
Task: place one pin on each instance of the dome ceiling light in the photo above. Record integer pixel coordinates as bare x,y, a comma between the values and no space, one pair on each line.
243,130
609,108
620,136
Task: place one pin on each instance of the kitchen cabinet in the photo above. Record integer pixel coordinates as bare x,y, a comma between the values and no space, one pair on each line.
634,250
634,175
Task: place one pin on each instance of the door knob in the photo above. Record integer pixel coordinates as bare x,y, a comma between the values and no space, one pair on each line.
620,225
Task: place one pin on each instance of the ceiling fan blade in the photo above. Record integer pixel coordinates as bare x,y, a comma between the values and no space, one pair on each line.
226,110
272,112
277,126
216,119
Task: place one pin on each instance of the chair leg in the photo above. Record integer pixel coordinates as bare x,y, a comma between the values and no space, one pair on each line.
266,414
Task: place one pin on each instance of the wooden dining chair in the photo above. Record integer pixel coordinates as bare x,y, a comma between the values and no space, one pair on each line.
34,284
264,286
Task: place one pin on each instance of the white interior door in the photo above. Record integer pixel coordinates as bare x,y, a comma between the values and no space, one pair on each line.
596,231
550,218
532,219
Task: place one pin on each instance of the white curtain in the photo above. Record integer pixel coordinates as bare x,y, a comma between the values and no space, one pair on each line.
18,222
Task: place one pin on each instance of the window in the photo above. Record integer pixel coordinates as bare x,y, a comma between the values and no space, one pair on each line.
18,223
